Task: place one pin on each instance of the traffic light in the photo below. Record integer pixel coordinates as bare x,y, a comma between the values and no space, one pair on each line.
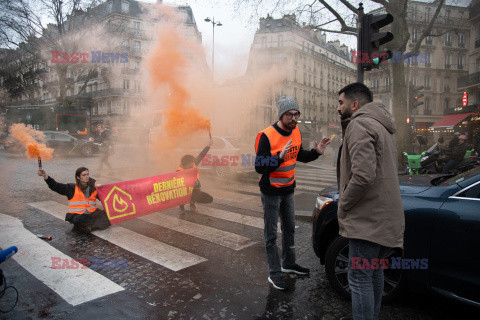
371,40
414,97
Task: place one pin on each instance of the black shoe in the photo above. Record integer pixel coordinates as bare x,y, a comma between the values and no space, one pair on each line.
346,318
296,269
277,282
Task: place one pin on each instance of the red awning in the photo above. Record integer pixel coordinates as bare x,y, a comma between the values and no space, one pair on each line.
448,122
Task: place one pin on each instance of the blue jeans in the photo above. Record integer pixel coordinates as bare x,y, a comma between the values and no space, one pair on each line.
283,206
366,285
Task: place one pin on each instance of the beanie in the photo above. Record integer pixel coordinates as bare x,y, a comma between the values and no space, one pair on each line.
285,104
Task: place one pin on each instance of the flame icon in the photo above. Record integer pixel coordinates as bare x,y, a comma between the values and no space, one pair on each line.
119,203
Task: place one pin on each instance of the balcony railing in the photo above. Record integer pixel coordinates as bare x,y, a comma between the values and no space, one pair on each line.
468,80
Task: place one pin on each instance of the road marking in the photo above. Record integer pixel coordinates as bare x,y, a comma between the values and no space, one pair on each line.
75,286
235,197
232,216
161,253
220,237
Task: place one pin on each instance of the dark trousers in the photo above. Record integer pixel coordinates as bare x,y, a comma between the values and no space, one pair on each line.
104,159
96,220
449,165
273,208
199,196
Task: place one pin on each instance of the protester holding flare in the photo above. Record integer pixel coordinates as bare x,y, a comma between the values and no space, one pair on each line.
82,199
187,162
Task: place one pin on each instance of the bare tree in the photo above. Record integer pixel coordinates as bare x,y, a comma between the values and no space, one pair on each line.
24,21
342,19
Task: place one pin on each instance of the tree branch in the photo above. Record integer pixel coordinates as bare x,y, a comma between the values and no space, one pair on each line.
344,27
349,6
428,29
350,33
382,2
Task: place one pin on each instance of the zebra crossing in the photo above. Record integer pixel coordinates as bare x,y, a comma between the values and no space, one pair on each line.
315,179
73,285
312,178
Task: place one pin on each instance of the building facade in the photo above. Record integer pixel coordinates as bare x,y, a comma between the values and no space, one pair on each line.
469,85
442,59
115,87
313,71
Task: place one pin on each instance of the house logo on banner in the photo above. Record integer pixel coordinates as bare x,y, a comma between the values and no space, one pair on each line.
118,203
135,198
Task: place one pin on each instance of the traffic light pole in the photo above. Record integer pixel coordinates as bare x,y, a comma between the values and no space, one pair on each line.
360,74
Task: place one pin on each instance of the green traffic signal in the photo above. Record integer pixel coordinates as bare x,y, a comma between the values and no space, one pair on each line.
383,56
370,39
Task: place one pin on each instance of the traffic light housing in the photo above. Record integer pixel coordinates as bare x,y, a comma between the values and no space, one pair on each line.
415,97
371,40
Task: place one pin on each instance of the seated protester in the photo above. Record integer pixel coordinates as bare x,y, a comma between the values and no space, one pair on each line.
455,157
188,162
82,198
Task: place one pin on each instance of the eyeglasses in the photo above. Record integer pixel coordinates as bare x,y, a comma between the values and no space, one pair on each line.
292,115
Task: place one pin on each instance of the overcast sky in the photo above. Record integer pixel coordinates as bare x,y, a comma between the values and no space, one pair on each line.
234,37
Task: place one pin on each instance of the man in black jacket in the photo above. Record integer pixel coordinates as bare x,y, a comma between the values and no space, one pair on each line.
82,196
456,156
106,147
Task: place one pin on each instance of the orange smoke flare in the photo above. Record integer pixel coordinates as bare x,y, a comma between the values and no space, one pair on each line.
167,66
27,136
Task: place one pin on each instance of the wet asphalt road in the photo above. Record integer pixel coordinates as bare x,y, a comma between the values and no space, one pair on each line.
230,284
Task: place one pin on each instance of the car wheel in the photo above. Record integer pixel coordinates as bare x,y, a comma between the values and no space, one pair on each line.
222,171
336,268
87,150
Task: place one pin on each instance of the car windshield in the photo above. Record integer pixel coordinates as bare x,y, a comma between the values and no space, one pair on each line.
454,179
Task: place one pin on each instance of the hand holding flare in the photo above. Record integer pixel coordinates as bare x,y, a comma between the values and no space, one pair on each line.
26,135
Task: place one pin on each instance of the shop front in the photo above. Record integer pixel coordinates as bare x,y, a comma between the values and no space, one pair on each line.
465,120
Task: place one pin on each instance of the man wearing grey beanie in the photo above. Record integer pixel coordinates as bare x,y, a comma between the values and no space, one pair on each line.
278,148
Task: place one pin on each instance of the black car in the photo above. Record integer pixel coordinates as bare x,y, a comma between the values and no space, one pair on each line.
442,231
61,142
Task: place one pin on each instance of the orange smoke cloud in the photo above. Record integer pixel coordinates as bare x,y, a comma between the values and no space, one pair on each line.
167,67
27,136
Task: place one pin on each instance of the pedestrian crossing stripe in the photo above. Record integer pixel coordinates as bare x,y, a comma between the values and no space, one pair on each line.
220,237
233,217
35,256
161,253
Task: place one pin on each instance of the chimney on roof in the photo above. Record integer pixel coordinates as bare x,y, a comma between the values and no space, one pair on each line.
324,38
336,44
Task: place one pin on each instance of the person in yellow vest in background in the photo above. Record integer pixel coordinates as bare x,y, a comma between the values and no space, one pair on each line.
187,162
278,148
82,201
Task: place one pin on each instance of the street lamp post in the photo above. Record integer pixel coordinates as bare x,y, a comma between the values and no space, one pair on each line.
214,23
